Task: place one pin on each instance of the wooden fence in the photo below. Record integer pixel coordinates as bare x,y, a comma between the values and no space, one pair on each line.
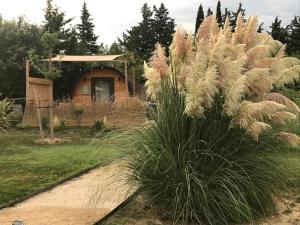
128,111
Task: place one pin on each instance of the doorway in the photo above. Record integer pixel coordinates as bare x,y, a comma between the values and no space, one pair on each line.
102,89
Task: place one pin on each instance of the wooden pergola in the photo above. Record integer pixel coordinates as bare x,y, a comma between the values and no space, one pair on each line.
124,59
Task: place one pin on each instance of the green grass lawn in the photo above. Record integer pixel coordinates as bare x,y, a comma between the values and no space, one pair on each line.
26,166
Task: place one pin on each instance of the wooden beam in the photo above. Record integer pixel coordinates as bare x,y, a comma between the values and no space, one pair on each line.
37,105
27,79
133,80
126,76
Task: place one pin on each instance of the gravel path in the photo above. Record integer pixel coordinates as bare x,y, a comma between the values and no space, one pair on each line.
81,201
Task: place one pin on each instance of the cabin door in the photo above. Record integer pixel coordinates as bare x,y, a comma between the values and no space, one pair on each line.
102,89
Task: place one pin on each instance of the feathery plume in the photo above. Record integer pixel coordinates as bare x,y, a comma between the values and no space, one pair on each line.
250,36
158,61
279,98
153,81
292,139
258,82
282,117
256,128
233,96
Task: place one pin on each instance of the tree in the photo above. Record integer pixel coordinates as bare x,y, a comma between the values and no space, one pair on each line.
156,26
209,12
260,28
163,26
277,31
55,22
219,14
293,40
51,72
199,18
233,15
115,49
87,37
17,37
140,39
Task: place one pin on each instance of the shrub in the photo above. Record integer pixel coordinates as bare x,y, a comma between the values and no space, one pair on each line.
62,124
77,112
98,126
207,156
7,115
22,126
45,122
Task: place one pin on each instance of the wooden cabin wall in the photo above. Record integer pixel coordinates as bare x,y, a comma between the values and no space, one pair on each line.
82,94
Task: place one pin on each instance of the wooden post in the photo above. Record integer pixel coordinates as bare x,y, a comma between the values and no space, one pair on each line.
27,80
51,100
126,77
37,105
133,76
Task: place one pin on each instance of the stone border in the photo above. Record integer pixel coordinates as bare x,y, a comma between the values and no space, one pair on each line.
51,186
123,204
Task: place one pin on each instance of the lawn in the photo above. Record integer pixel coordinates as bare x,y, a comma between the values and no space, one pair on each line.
26,166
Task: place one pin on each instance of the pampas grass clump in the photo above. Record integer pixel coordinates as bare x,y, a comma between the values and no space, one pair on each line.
207,156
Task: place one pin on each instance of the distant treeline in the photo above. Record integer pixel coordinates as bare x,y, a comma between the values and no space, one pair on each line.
18,37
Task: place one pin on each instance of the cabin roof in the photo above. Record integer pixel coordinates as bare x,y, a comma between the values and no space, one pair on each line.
84,58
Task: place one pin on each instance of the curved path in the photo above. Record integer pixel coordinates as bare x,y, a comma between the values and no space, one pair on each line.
81,201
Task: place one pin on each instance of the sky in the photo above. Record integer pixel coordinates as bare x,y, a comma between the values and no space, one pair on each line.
113,17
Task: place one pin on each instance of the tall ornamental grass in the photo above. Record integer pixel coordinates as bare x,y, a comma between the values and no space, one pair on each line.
208,154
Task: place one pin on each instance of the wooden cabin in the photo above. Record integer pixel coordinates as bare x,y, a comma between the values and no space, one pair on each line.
101,85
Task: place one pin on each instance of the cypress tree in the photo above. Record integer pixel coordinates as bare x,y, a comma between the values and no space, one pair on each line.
86,34
200,18
219,14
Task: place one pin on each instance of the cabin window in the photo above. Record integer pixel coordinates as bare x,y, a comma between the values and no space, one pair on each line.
85,90
102,89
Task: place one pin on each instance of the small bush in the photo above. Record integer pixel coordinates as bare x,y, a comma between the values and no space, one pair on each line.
77,113
97,126
62,124
45,122
23,126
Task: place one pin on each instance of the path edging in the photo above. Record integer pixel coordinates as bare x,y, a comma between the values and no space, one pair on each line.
123,204
51,186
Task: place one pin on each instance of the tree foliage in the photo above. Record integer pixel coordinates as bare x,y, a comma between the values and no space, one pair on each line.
17,37
199,18
219,14
156,25
86,34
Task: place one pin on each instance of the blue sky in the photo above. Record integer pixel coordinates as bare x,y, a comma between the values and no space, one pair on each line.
112,17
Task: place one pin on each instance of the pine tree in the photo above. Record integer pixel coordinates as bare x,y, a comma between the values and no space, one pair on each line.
260,28
115,49
293,41
55,22
86,34
277,31
200,18
156,26
209,12
234,15
163,26
219,14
